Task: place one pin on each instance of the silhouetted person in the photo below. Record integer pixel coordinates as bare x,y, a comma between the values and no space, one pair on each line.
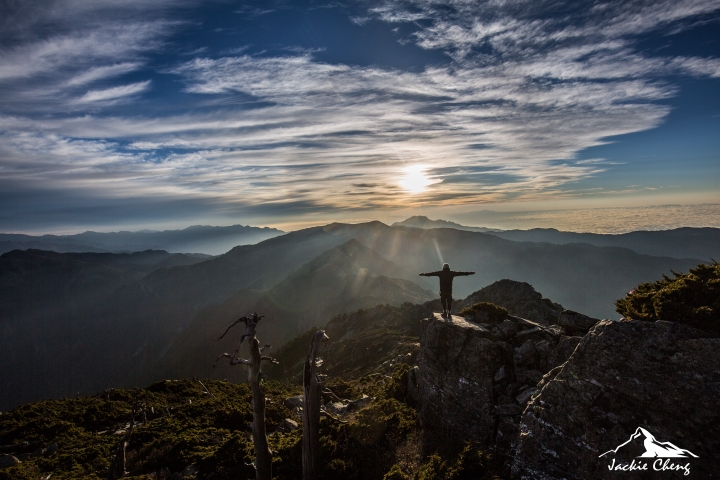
446,278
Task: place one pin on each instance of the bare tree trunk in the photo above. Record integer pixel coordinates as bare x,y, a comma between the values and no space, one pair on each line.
263,456
117,462
311,409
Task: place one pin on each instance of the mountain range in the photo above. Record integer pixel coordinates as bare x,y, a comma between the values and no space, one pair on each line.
196,239
702,243
113,324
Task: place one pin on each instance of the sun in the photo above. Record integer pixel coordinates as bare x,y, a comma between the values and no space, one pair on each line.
415,180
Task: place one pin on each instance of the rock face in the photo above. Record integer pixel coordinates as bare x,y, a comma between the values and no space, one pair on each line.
625,379
474,379
456,367
575,322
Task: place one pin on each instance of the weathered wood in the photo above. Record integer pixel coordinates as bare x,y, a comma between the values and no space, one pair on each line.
312,389
117,463
263,455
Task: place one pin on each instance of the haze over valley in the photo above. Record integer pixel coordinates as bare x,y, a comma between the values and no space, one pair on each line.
130,319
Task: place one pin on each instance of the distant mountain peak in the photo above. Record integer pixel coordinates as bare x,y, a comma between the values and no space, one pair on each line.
653,448
421,221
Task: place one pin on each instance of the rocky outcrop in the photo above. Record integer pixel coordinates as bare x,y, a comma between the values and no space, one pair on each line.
519,298
474,379
522,300
456,368
625,379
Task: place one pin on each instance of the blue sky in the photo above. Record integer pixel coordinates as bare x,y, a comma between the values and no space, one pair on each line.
136,114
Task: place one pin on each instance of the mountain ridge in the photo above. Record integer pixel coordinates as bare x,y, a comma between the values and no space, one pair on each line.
421,221
205,239
111,343
685,242
343,279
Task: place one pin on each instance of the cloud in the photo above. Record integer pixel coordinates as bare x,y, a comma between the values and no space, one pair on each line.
114,93
49,54
334,126
78,50
528,86
612,220
94,74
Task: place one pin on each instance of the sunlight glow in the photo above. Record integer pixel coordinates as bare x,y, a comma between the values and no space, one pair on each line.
415,180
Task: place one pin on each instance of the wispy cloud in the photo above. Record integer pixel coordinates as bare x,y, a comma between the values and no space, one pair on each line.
73,51
528,86
94,74
115,93
332,126
50,54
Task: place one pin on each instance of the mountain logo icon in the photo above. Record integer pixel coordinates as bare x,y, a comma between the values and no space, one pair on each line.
653,448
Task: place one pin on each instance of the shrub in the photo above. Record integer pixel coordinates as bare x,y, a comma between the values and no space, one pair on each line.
691,298
471,464
496,314
396,473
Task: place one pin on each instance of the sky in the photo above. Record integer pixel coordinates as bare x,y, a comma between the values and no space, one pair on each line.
129,114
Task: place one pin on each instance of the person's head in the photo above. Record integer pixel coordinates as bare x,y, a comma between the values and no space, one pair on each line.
446,266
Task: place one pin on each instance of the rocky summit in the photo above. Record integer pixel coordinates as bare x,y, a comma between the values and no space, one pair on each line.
475,379
551,402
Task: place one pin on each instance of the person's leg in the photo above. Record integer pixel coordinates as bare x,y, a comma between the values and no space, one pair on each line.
449,304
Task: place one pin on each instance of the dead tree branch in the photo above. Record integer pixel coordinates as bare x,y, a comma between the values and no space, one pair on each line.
206,389
327,393
250,327
311,409
263,455
117,462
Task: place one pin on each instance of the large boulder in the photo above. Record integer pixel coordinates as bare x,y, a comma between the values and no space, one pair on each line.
575,322
8,461
634,385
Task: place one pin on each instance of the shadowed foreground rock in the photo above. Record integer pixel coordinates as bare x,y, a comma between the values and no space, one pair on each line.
474,378
663,377
457,363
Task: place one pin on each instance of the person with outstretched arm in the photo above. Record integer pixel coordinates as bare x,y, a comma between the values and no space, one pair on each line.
446,279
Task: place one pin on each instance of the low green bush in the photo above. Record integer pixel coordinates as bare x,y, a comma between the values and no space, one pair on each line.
471,464
691,298
496,313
